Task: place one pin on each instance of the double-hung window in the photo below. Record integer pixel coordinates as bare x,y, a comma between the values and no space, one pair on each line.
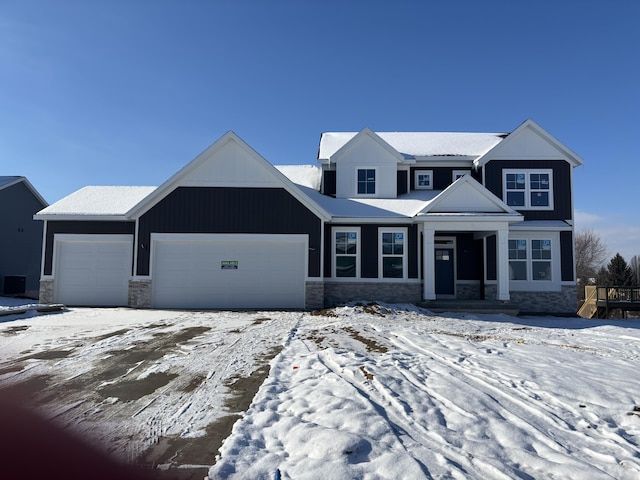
366,182
530,259
393,253
528,190
346,250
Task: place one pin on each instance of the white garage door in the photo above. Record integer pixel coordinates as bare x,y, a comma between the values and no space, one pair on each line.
229,271
93,270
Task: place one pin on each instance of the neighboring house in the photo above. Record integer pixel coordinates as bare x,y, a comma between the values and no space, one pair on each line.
20,237
395,217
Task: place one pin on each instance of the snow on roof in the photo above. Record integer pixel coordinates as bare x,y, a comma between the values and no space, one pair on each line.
98,200
419,144
407,205
305,175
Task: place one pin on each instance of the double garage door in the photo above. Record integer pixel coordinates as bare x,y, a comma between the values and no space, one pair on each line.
228,271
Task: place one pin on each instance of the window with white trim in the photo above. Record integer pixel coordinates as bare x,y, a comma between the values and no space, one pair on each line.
528,190
366,181
346,248
393,253
424,179
530,259
456,174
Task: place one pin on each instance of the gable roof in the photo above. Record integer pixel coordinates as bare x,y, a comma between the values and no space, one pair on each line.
255,171
8,181
418,144
95,202
544,141
364,133
466,195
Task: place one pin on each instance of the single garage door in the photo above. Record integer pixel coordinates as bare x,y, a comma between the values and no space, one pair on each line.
93,270
228,271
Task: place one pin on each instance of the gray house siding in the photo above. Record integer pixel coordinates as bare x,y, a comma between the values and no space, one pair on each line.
229,210
561,185
20,240
89,227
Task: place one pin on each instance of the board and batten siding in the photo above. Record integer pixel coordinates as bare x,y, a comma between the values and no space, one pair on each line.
562,207
229,210
79,227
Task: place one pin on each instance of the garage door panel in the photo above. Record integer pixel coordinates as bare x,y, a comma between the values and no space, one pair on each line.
189,273
93,272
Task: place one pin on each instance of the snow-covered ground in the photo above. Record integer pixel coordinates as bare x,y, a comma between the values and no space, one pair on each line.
371,392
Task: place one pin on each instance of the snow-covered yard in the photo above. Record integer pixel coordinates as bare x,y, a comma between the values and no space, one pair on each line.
362,391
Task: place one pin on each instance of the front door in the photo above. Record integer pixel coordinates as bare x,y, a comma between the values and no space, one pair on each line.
445,275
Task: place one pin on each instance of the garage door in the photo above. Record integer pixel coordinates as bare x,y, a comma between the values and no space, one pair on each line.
93,270
229,271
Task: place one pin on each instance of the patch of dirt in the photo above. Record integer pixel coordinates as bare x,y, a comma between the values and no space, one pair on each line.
11,369
258,321
50,355
194,383
117,333
14,330
372,345
367,375
327,312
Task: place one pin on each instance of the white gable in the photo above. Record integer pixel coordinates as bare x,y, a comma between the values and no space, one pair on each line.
466,195
530,142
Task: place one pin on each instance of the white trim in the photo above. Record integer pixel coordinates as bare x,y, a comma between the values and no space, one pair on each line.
455,174
417,173
404,255
43,251
527,191
357,255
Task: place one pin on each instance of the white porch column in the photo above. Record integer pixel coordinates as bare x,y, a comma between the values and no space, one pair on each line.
428,264
502,259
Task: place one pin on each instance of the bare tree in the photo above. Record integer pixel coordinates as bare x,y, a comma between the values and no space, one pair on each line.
635,267
591,254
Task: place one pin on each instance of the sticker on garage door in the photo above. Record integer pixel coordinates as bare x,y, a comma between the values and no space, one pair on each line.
229,265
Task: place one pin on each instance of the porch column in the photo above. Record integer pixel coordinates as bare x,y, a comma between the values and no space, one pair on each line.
428,264
502,258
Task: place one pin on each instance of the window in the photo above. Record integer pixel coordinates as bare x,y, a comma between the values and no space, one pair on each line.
530,259
393,253
528,190
366,181
456,174
424,180
346,247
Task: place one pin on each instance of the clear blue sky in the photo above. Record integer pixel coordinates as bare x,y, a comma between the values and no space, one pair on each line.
126,92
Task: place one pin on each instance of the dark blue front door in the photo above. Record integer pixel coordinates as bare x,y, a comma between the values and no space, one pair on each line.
445,279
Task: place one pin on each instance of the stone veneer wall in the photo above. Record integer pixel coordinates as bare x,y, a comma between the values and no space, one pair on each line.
314,295
140,293
46,291
337,293
468,291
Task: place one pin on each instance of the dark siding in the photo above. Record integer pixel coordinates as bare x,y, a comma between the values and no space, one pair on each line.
369,249
21,238
492,274
477,174
442,176
403,184
561,185
329,182
229,210
566,256
468,266
92,227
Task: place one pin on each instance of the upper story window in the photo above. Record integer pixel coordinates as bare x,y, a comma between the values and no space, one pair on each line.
346,247
456,174
528,189
366,181
424,180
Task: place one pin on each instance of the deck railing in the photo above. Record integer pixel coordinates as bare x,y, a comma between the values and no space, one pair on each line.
618,294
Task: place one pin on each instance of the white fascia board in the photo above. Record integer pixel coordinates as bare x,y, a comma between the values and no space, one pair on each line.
542,225
366,131
376,220
83,218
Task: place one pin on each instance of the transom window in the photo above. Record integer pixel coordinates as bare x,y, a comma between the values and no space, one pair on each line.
366,181
346,247
424,180
393,253
528,189
530,259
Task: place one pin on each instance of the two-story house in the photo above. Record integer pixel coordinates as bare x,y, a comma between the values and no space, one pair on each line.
395,217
